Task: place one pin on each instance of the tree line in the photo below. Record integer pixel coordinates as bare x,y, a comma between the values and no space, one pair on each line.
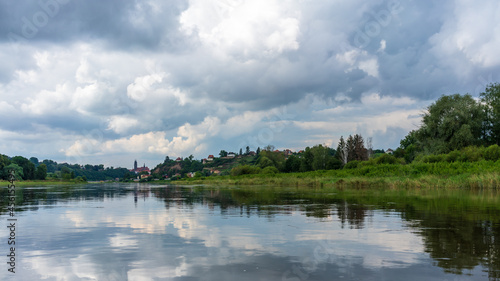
455,122
32,169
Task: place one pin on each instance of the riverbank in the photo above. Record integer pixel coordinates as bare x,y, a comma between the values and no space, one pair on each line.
455,175
4,183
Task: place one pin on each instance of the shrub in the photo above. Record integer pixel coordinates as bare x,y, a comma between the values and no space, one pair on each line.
386,159
245,170
453,156
352,165
433,158
270,170
492,153
470,154
334,164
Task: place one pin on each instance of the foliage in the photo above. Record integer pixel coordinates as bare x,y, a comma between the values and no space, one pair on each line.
41,172
26,165
223,153
18,171
245,170
292,164
386,159
352,164
269,158
491,99
270,170
320,157
492,153
4,161
452,122
352,149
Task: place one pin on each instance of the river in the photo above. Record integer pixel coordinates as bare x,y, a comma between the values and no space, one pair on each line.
158,232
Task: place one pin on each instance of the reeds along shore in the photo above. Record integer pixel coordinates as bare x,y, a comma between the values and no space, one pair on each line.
452,175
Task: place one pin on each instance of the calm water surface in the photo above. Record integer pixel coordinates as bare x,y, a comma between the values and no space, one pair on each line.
147,232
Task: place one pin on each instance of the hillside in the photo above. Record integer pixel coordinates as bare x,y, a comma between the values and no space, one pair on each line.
220,165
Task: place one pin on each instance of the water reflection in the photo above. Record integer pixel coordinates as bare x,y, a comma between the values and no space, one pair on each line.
146,232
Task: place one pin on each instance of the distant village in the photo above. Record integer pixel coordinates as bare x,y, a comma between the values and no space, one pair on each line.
143,173
223,163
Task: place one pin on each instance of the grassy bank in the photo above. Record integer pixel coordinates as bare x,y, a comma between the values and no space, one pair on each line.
454,175
4,183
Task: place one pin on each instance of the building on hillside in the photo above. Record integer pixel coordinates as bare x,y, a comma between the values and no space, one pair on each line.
137,170
210,157
178,159
389,151
231,155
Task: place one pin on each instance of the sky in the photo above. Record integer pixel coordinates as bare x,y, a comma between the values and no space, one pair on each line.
108,82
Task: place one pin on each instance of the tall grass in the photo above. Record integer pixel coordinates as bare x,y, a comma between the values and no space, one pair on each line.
482,174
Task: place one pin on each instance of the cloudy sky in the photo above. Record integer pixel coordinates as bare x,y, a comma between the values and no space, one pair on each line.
113,81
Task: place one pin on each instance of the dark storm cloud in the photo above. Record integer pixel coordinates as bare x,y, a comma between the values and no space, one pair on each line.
202,63
120,23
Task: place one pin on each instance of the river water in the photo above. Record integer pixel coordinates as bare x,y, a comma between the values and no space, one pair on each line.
157,232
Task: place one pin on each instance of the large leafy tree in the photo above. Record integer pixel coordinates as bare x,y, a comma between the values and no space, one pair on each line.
452,122
4,162
321,156
18,171
27,166
491,100
223,153
41,172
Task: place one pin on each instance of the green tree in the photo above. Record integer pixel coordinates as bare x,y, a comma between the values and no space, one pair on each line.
258,151
321,157
269,147
41,172
356,148
26,165
4,161
247,151
66,173
18,171
271,158
292,164
265,162
34,160
307,160
241,151
491,100
223,153
451,123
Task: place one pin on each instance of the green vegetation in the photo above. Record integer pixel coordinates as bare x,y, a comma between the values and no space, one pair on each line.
32,169
455,122
455,147
470,168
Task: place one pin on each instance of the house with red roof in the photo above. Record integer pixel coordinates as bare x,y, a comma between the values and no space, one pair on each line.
137,170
